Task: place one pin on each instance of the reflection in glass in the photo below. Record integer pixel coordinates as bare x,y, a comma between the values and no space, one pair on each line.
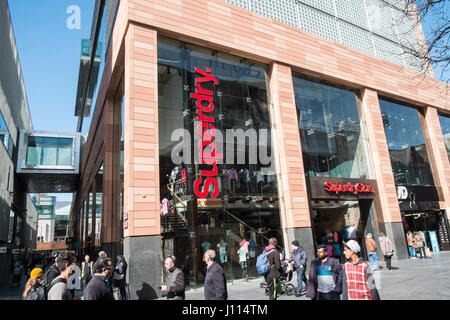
445,125
247,204
5,136
406,144
332,136
49,151
99,207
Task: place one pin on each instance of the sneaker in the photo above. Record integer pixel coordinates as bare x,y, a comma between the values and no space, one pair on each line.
298,295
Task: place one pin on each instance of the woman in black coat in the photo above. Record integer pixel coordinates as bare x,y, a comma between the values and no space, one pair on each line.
120,275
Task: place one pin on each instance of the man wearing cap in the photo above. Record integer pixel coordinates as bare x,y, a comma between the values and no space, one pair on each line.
298,257
97,289
358,282
371,247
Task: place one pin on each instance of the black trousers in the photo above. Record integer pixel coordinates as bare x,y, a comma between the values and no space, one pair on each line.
388,262
272,284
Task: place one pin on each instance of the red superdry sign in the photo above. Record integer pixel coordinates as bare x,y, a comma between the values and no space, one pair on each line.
350,188
207,132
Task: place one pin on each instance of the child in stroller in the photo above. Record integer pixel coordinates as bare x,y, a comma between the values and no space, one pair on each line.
284,285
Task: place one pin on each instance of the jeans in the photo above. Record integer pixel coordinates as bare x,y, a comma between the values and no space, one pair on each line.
373,260
272,284
301,277
327,296
412,252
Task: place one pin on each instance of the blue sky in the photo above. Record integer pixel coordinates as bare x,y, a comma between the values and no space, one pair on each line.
49,54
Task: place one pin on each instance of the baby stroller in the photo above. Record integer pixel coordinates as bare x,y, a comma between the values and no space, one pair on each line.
284,285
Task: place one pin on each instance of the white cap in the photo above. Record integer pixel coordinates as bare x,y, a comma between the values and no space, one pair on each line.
353,245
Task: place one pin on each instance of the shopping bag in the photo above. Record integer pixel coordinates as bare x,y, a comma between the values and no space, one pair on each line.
428,252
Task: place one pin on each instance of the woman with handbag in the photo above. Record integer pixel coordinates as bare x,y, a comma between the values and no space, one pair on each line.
387,248
119,276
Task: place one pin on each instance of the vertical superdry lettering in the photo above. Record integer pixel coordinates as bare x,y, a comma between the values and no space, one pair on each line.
206,129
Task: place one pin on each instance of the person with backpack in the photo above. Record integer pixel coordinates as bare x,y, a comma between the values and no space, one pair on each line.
298,258
52,272
34,288
325,277
269,265
58,290
419,244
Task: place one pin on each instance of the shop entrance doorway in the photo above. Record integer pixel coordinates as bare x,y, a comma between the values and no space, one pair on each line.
335,221
432,224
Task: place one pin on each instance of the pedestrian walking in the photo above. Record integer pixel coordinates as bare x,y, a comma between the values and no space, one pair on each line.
175,281
97,288
17,273
325,276
215,287
119,277
387,248
371,247
101,256
52,272
58,289
357,282
87,269
272,277
34,288
108,278
298,258
411,247
419,244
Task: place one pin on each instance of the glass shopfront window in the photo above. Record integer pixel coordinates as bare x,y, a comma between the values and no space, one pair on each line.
445,125
332,135
245,204
46,151
406,144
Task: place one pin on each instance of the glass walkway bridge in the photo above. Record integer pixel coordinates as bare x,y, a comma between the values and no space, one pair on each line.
49,162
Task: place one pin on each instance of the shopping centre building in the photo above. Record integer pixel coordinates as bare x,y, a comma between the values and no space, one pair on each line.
217,120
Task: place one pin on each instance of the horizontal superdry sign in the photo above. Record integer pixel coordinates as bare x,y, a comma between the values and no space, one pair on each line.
348,188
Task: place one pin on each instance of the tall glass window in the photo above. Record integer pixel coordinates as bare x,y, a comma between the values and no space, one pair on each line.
406,144
5,136
247,203
49,151
445,125
332,135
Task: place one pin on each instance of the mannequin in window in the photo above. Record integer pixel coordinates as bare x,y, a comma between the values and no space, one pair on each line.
247,180
243,255
232,176
206,246
222,247
260,180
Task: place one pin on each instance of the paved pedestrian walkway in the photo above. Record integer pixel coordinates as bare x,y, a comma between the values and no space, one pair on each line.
414,279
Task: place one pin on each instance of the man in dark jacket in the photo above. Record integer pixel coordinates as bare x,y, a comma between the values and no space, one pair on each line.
175,280
298,257
97,289
325,277
273,257
215,282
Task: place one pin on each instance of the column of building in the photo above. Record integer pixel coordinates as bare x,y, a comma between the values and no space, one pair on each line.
142,243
